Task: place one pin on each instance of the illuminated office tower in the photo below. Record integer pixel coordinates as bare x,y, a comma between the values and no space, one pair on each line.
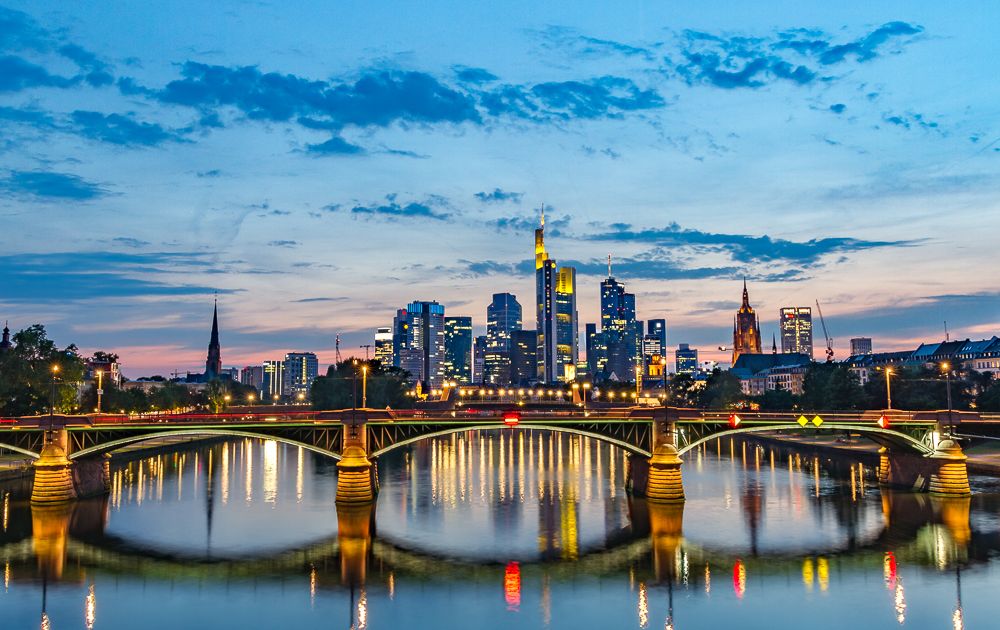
252,375
503,317
273,381
458,349
383,346
479,359
556,316
861,345
796,330
622,333
686,359
299,371
523,357
418,342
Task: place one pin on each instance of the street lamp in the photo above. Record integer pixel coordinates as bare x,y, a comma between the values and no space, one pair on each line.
663,375
100,388
586,386
300,397
52,403
250,399
888,388
947,375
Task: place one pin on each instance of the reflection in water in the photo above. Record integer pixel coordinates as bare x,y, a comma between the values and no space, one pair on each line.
563,545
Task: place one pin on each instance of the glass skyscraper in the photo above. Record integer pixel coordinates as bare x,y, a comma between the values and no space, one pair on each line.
796,330
383,346
686,359
556,316
418,342
503,317
458,349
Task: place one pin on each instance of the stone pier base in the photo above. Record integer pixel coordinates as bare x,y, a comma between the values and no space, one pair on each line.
355,483
53,476
943,472
949,476
92,476
664,484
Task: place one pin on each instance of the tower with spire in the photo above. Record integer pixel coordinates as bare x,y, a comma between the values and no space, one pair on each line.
746,332
213,364
557,319
5,344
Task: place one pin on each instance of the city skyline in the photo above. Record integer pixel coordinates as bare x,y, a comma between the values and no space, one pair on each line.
838,163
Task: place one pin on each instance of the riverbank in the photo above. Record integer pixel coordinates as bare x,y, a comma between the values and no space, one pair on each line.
984,459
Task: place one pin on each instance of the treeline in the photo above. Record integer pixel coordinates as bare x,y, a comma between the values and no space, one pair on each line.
35,372
346,383
833,386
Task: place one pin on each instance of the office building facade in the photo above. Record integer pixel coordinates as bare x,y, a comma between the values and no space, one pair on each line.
299,371
796,330
418,343
458,349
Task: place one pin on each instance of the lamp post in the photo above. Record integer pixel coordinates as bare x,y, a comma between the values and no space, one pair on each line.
100,388
364,386
663,376
586,386
947,376
888,388
250,399
52,402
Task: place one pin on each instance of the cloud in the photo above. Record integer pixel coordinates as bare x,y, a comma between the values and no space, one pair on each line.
838,108
583,46
129,242
746,248
377,98
334,146
520,223
209,173
33,117
603,97
474,75
908,120
660,268
94,276
50,186
499,195
796,56
287,244
17,74
321,299
962,312
120,129
391,208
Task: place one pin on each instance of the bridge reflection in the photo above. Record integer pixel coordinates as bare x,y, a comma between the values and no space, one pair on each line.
72,543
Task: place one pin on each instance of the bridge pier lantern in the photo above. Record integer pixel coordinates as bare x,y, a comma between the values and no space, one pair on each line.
355,480
53,478
949,476
664,483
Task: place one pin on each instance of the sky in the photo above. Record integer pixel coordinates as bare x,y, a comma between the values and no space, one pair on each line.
319,165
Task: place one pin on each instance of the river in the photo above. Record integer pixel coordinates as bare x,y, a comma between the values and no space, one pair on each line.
513,528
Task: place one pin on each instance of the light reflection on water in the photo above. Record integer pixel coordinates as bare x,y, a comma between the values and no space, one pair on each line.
516,528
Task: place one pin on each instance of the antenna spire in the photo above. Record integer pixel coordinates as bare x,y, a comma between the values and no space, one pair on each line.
543,215
609,265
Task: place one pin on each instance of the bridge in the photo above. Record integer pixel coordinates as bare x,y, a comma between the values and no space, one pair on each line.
70,453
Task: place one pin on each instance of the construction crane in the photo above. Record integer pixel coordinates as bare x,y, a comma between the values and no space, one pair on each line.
829,342
367,347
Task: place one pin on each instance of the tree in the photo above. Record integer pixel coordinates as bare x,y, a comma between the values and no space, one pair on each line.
722,391
778,400
989,398
682,391
341,388
27,379
832,386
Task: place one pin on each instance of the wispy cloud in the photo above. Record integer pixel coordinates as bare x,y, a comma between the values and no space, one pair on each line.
499,195
50,186
432,207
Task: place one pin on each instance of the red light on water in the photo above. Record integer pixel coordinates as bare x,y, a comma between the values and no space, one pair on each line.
512,586
739,579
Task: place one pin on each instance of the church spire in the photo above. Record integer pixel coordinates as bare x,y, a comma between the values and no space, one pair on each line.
213,363
774,344
5,342
746,294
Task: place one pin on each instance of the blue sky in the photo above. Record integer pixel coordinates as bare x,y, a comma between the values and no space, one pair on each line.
319,165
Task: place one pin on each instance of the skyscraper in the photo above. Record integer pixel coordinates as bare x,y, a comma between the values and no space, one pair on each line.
273,382
654,346
523,357
861,345
252,375
458,349
622,333
746,332
796,330
503,317
383,346
418,342
556,316
479,359
299,371
686,359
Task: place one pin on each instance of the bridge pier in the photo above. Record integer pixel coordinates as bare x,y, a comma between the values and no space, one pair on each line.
943,472
658,478
58,479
